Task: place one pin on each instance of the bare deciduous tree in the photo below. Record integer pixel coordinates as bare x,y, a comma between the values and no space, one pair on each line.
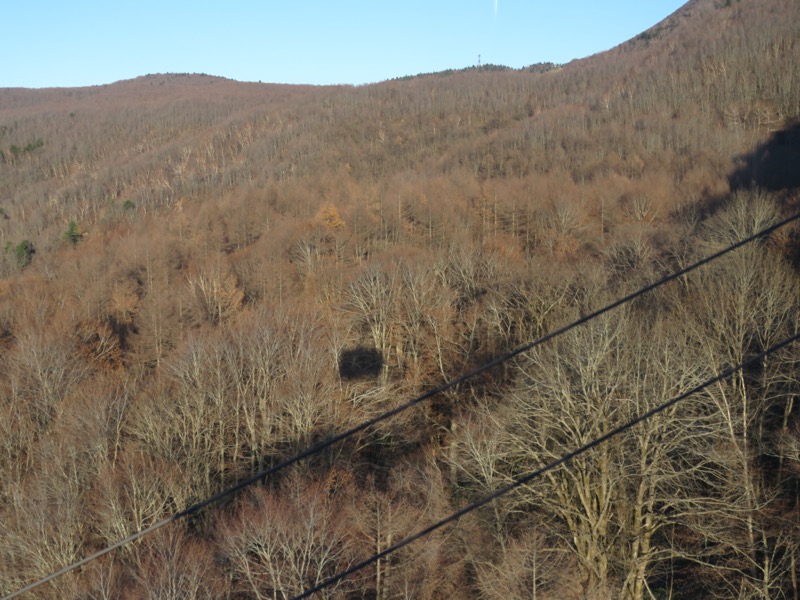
749,303
279,544
610,505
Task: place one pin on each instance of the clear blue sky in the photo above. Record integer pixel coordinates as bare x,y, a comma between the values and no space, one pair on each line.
69,43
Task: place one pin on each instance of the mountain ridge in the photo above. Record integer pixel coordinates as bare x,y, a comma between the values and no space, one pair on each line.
198,277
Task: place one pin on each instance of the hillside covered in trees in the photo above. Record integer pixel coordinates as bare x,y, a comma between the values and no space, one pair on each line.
200,278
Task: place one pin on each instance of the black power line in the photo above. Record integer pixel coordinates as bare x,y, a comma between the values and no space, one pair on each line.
549,467
322,445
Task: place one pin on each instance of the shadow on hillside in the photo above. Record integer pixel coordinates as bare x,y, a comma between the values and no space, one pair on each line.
774,165
360,363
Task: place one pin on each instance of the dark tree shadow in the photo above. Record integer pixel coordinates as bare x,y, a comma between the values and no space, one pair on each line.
360,363
774,165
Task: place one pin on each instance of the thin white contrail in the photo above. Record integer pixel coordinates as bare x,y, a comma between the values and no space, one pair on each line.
495,7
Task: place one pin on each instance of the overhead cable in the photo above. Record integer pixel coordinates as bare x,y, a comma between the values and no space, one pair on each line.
549,467
324,444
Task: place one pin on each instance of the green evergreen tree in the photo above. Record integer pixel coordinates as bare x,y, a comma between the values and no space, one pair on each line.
24,252
72,234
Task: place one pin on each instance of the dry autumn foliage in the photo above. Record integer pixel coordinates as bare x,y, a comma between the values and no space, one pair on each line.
234,245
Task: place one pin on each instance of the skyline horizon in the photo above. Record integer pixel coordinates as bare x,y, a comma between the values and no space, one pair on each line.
310,42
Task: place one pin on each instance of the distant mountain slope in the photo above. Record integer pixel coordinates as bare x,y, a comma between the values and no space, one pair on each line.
712,73
667,118
199,277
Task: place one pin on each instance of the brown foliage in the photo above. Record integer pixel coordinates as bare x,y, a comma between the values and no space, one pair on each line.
239,239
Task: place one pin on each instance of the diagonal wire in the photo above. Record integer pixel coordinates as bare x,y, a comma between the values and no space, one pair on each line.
91,557
322,445
549,467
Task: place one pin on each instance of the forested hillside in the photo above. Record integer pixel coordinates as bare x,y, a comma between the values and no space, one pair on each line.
200,278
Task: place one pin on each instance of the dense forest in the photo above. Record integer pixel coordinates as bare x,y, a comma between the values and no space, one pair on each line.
201,277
